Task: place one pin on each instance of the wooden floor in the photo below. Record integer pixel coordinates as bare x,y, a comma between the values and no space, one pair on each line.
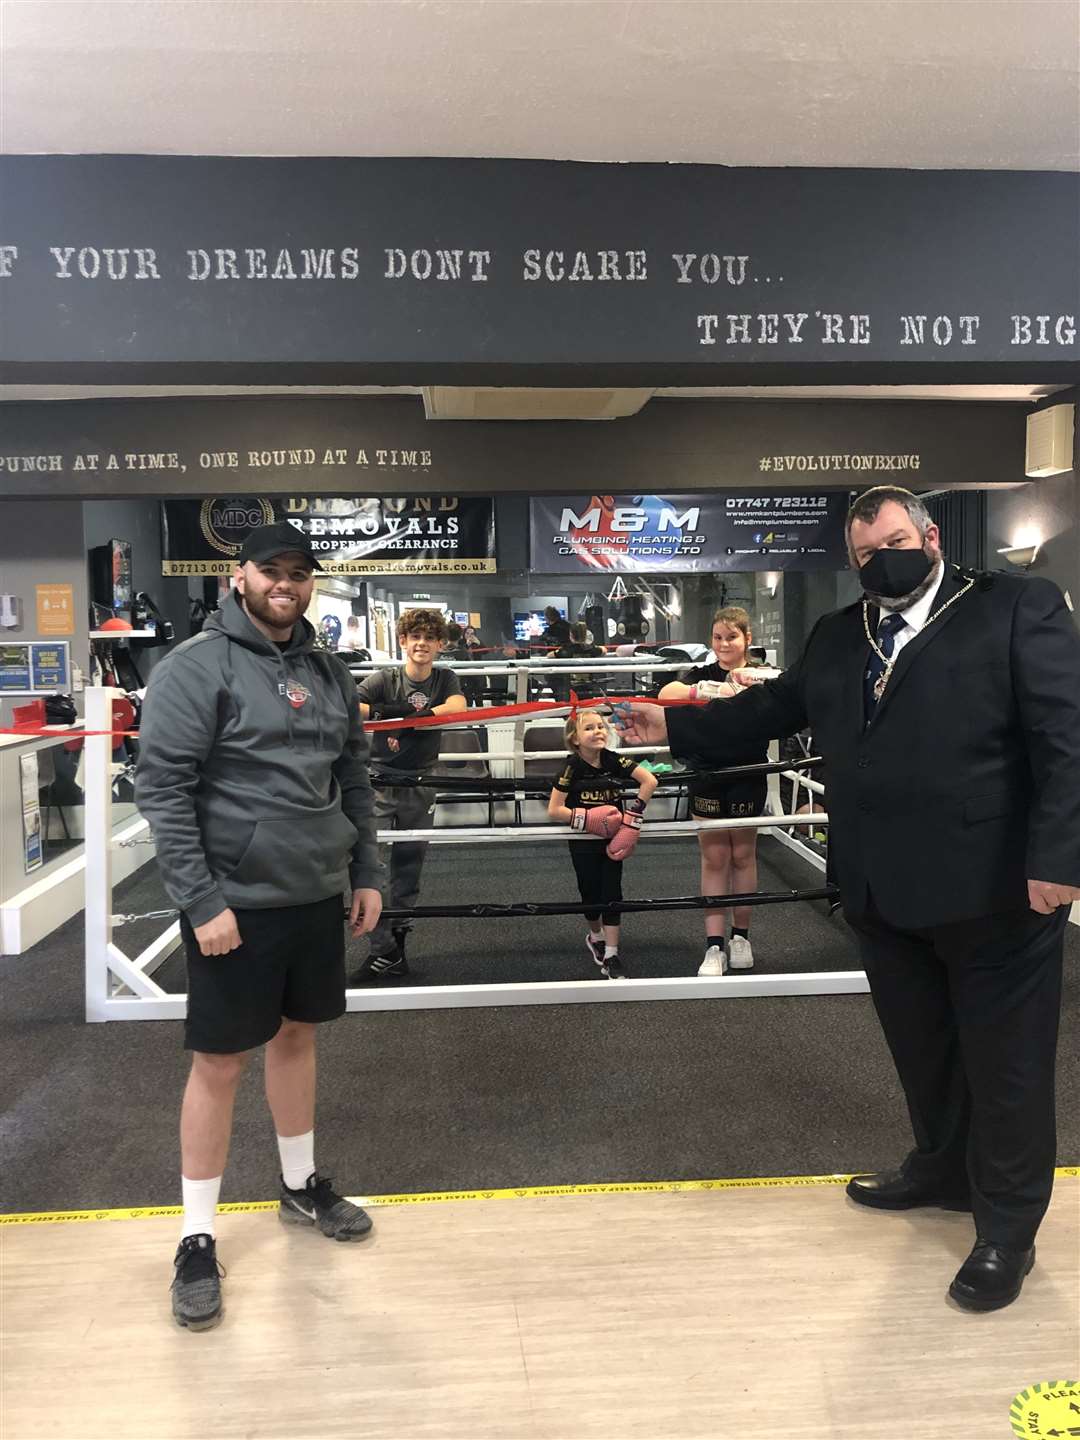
777,1314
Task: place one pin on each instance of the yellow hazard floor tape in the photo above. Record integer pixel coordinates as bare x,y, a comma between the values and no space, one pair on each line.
524,1192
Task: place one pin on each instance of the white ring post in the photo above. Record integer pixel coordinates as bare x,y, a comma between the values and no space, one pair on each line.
97,785
106,964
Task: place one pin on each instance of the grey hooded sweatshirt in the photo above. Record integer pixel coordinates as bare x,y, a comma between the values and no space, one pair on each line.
253,771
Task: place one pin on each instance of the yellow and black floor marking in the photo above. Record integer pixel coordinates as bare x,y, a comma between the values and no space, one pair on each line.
438,1197
1049,1409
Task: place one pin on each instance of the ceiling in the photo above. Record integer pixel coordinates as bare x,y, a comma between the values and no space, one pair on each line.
955,84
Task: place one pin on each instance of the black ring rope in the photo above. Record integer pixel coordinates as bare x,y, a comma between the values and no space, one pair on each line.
623,907
511,785
555,907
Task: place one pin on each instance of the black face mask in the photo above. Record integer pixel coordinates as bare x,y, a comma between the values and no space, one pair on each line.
895,573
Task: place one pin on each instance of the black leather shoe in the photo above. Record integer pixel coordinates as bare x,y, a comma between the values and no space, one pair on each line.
892,1190
991,1276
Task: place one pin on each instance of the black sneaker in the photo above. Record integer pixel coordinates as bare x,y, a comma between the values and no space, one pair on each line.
595,948
391,966
612,969
196,1286
319,1204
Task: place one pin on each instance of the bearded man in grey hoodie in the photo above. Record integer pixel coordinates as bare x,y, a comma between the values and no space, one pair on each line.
253,776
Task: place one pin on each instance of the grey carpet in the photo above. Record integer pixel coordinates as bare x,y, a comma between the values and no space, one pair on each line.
485,1098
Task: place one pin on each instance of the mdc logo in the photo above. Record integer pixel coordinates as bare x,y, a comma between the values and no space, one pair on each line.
226,519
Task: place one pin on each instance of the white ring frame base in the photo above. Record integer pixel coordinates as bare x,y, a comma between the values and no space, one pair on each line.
558,992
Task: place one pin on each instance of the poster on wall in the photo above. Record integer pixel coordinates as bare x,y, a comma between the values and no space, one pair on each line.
351,535
721,530
55,609
49,668
15,669
35,668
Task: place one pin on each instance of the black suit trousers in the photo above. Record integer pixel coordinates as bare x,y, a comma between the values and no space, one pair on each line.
970,1012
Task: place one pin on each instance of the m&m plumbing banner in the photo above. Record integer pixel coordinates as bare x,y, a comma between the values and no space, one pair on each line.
722,530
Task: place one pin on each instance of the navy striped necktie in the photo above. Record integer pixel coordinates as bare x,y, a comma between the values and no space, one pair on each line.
889,628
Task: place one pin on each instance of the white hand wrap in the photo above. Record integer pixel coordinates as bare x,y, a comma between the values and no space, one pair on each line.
755,674
709,690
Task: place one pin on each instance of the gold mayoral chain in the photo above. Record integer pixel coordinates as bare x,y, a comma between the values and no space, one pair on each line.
889,662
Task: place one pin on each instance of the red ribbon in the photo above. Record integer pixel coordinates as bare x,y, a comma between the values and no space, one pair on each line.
472,716
534,707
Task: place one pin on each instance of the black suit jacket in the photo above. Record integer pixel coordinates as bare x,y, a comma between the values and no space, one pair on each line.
966,783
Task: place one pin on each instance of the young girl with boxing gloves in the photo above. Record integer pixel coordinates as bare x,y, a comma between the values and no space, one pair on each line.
588,796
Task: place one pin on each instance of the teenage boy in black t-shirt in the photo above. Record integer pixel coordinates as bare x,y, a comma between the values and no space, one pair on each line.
401,692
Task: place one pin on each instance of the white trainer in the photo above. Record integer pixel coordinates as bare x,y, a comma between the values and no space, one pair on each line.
740,955
713,964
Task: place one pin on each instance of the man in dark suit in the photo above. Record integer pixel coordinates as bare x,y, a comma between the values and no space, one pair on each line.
946,707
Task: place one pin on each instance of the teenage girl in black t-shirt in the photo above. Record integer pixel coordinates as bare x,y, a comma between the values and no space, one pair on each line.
588,796
728,857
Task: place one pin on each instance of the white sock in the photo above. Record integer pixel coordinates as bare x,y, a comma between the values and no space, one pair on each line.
297,1158
610,950
200,1205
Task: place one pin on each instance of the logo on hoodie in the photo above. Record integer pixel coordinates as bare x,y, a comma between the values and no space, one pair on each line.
298,694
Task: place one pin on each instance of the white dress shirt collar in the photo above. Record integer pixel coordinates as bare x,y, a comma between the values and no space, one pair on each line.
916,616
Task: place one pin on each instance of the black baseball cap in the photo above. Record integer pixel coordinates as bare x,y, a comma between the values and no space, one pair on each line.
270,540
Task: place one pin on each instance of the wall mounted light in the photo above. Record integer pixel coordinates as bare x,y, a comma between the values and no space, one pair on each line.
1020,555
1025,547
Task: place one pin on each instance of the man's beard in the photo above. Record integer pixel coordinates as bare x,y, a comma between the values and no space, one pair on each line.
901,602
260,607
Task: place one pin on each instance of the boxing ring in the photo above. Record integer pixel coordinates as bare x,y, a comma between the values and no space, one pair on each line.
121,986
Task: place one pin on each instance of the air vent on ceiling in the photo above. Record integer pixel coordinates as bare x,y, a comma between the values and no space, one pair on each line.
453,402
1050,441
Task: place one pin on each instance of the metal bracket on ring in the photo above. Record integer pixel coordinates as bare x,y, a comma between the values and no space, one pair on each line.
146,915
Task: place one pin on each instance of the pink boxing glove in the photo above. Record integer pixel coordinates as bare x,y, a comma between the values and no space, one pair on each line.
603,821
623,843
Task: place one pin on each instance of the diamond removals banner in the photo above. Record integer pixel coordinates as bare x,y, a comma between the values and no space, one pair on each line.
351,535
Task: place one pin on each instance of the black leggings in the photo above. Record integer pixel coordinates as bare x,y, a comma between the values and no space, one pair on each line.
599,879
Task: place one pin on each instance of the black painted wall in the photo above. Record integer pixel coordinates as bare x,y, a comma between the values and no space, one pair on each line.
543,272
384,446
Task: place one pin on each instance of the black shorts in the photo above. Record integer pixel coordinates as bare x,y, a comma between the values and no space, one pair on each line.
729,802
291,964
